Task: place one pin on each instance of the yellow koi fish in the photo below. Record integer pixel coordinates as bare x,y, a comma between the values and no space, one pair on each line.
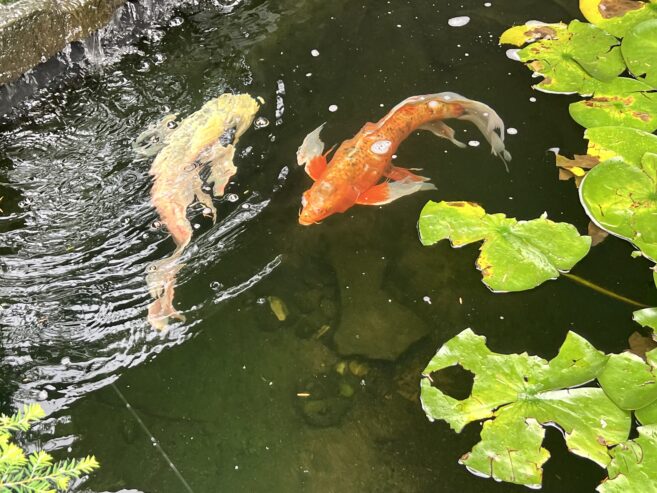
205,140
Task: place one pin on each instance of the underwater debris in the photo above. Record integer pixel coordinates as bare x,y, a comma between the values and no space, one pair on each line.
204,142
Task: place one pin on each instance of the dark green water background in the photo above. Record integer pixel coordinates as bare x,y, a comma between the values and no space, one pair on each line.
220,392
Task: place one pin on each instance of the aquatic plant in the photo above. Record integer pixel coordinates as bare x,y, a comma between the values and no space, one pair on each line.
36,472
610,62
517,395
516,255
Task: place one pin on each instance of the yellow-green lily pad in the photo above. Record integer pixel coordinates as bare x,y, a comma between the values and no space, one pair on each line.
572,60
622,198
629,144
517,394
639,49
630,381
623,101
617,16
633,468
516,255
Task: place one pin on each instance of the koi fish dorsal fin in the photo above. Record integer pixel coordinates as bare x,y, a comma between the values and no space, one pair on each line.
442,130
387,192
311,147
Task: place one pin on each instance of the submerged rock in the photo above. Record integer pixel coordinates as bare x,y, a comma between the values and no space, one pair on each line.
372,323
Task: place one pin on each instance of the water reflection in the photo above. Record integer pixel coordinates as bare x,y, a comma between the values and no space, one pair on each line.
77,226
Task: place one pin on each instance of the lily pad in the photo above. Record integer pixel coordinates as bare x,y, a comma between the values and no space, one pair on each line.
516,255
573,60
622,199
617,16
648,316
633,468
639,49
630,381
532,31
630,144
518,393
623,101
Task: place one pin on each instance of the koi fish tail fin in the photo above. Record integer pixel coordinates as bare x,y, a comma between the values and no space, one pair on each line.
486,120
161,280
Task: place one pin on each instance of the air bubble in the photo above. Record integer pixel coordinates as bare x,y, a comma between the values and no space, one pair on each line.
261,122
232,197
314,52
459,21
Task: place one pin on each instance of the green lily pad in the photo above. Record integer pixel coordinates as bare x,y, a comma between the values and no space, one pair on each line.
623,101
516,255
630,381
573,60
646,317
630,144
639,49
622,199
633,468
518,393
617,16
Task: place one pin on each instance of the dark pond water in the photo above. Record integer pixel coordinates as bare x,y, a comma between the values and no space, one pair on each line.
219,392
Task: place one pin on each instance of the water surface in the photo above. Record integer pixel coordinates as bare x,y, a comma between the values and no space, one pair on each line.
220,392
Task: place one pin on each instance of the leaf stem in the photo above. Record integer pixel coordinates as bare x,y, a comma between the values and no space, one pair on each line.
605,291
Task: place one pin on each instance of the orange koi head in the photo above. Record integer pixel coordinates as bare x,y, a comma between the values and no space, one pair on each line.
324,199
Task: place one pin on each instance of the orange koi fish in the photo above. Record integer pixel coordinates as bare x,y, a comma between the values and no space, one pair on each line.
353,174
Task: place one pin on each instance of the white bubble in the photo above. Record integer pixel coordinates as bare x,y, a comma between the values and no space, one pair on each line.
488,4
474,143
512,131
314,52
458,21
333,108
532,99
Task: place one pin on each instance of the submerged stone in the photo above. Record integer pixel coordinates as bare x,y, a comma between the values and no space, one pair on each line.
372,323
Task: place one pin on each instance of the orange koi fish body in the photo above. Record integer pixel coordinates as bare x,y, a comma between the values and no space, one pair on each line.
353,174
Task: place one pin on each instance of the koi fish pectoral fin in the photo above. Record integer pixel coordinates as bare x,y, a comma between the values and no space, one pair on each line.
310,154
387,192
399,174
444,131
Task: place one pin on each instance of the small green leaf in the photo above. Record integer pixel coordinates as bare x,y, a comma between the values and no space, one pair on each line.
639,49
623,101
519,393
516,255
633,468
630,381
573,60
617,16
622,199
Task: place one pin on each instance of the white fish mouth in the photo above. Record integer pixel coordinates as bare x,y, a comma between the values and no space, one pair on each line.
381,146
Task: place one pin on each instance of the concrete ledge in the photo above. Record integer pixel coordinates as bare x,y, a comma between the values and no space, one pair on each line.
32,31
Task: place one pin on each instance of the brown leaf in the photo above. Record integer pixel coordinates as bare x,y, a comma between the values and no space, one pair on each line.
575,168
